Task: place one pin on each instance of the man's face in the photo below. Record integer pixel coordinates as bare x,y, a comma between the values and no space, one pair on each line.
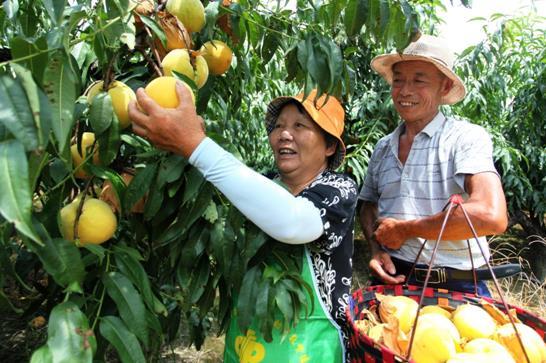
417,89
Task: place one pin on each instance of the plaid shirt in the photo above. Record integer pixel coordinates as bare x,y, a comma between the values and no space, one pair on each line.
442,154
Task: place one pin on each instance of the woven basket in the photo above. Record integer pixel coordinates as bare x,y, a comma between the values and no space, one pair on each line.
363,349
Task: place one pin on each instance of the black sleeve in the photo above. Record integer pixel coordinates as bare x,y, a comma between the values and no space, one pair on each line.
335,195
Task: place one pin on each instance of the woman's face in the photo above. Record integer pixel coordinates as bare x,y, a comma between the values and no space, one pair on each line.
299,145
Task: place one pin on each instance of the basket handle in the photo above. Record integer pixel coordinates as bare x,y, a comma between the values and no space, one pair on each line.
457,201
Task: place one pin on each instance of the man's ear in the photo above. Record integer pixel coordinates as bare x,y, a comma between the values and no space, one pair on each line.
447,85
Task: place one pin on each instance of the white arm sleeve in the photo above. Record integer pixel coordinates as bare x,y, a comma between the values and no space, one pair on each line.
273,209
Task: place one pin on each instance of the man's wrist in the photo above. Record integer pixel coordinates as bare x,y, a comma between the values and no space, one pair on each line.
409,227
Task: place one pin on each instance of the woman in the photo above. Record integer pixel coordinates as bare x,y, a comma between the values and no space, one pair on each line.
307,205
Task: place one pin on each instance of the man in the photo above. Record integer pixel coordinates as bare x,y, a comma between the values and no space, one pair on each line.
414,170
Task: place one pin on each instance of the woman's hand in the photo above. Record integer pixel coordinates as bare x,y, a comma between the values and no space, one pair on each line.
179,130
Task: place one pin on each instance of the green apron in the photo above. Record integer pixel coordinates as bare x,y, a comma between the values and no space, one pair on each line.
314,339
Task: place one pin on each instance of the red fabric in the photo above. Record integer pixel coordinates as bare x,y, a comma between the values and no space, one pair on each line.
429,292
457,296
387,354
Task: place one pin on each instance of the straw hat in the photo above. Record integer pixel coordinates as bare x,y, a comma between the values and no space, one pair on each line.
330,116
429,49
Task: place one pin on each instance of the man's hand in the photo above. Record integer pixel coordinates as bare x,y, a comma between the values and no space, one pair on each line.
390,233
179,130
382,267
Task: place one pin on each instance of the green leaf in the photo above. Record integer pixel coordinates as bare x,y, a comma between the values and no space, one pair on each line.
195,244
15,112
373,18
221,250
206,301
300,293
314,61
200,276
69,338
246,303
194,180
133,269
62,260
335,60
262,311
211,213
4,133
272,272
128,250
35,53
255,238
84,57
170,170
186,218
128,38
155,28
211,14
356,14
42,355
97,250
154,201
237,23
384,16
15,199
55,9
138,187
108,174
284,302
199,206
263,315
10,10
270,45
154,324
37,102
125,342
109,142
204,95
59,85
291,64
120,28
36,163
129,303
101,112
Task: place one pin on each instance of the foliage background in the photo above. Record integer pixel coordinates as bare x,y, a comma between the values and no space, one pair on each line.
127,297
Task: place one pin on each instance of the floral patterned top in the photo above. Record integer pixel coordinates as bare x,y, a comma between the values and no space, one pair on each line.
335,195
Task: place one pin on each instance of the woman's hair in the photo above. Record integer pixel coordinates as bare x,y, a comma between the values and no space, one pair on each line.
330,139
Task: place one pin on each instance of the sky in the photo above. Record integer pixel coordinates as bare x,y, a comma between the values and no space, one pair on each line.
461,33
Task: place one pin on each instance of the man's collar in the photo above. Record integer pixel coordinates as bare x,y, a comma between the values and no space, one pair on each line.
429,130
433,126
